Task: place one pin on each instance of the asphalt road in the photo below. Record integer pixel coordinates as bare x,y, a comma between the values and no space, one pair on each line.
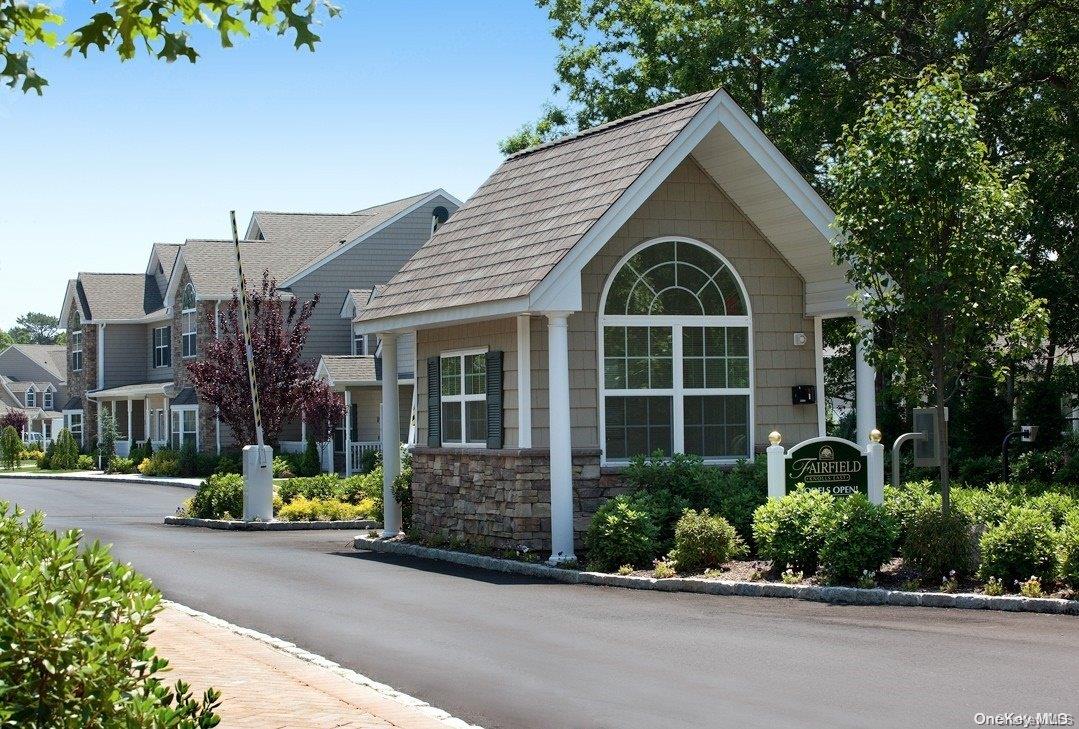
502,651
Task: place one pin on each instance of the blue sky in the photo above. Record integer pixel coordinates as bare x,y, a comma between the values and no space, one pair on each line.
400,97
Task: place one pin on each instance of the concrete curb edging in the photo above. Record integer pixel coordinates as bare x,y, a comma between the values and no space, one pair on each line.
814,593
99,479
313,658
269,526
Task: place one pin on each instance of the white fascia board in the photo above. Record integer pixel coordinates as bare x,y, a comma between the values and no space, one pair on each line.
560,290
347,309
443,317
174,279
342,249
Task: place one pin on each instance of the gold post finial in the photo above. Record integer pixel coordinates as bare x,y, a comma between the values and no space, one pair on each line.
874,435
775,438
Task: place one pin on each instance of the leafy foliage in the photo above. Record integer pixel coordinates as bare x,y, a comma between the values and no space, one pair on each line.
1021,546
702,541
16,419
73,641
621,532
218,496
936,544
164,462
10,447
119,464
160,28
791,531
304,509
1069,550
858,540
279,330
907,503
322,409
106,445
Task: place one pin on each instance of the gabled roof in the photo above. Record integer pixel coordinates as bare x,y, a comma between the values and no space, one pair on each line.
51,358
519,244
164,254
354,302
341,370
108,297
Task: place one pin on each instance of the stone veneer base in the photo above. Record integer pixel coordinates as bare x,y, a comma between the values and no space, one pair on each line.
269,526
813,593
501,497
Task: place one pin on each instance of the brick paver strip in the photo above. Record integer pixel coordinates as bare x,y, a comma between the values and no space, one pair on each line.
264,686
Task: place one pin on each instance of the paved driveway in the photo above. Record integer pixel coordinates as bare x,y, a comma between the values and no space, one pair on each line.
506,651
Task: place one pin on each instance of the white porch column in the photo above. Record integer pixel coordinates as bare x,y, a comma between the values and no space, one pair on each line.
130,430
561,443
524,381
101,356
865,396
146,410
818,364
348,432
391,437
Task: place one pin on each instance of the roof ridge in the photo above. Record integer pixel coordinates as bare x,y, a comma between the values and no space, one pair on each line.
111,273
285,212
605,126
400,199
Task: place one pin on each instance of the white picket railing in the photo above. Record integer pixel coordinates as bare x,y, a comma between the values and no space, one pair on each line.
361,447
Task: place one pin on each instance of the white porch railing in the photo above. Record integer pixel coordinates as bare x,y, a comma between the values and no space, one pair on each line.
361,447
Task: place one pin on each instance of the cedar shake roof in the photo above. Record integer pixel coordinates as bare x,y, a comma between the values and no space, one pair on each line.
344,369
530,213
119,296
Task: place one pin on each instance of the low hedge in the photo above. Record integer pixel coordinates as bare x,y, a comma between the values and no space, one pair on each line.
858,539
1021,546
304,509
218,497
703,541
790,531
622,532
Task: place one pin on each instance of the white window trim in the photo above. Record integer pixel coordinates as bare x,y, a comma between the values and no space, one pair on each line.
167,347
677,392
76,348
48,399
184,412
184,334
30,397
462,398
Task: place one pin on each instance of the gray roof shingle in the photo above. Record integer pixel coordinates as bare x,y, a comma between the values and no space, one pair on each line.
529,213
349,368
119,296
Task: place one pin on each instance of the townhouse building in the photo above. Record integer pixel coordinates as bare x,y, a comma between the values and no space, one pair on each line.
131,336
33,379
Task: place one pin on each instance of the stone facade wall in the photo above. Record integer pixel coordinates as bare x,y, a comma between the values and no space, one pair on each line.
204,312
501,498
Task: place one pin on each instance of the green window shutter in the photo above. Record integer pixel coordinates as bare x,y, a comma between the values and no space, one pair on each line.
494,399
434,402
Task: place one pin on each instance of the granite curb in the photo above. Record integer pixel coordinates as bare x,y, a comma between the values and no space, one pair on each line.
269,526
814,593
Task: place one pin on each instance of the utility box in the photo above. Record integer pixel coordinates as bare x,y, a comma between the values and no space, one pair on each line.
927,451
804,394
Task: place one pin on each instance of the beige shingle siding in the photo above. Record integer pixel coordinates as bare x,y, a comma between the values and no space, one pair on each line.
687,204
524,219
371,262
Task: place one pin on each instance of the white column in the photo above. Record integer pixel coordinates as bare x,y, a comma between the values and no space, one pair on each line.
348,432
146,410
777,486
561,443
101,356
130,437
391,437
818,363
865,396
524,381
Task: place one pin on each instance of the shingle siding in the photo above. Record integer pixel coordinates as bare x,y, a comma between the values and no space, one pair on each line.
124,363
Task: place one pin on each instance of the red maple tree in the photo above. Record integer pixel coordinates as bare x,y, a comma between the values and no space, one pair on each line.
15,418
322,410
279,328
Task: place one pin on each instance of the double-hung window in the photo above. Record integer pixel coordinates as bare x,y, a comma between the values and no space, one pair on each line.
464,398
189,320
31,397
359,342
47,400
76,350
675,353
163,346
74,424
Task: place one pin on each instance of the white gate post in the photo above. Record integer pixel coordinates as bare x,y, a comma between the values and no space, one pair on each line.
776,486
875,466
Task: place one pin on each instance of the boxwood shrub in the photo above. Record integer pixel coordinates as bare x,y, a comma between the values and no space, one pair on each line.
703,541
859,538
935,545
73,639
622,532
790,531
1021,546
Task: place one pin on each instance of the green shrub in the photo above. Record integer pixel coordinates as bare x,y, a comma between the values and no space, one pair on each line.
1053,503
218,496
621,532
282,468
74,635
683,476
189,461
859,538
230,463
736,494
10,447
50,451
355,489
304,509
311,462
119,464
326,486
1022,545
666,508
904,503
702,541
984,507
86,463
790,531
981,471
164,462
935,545
369,461
1068,549
65,455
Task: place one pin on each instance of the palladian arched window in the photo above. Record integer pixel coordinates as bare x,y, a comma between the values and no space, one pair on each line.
675,345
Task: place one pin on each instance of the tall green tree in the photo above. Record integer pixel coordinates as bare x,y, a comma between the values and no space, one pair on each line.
158,27
803,70
35,328
930,236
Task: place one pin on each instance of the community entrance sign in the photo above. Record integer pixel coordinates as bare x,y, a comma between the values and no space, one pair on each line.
835,465
829,464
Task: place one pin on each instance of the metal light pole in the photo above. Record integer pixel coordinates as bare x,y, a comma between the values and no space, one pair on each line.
258,477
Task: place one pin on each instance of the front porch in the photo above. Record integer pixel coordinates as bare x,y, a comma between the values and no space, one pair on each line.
149,411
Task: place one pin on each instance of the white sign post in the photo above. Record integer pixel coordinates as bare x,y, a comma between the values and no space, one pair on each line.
826,468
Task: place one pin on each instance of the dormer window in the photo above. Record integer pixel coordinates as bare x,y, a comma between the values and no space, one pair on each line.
31,397
438,217
359,344
46,400
189,336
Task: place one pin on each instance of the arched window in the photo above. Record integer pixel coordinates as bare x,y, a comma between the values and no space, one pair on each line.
31,397
675,347
189,338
